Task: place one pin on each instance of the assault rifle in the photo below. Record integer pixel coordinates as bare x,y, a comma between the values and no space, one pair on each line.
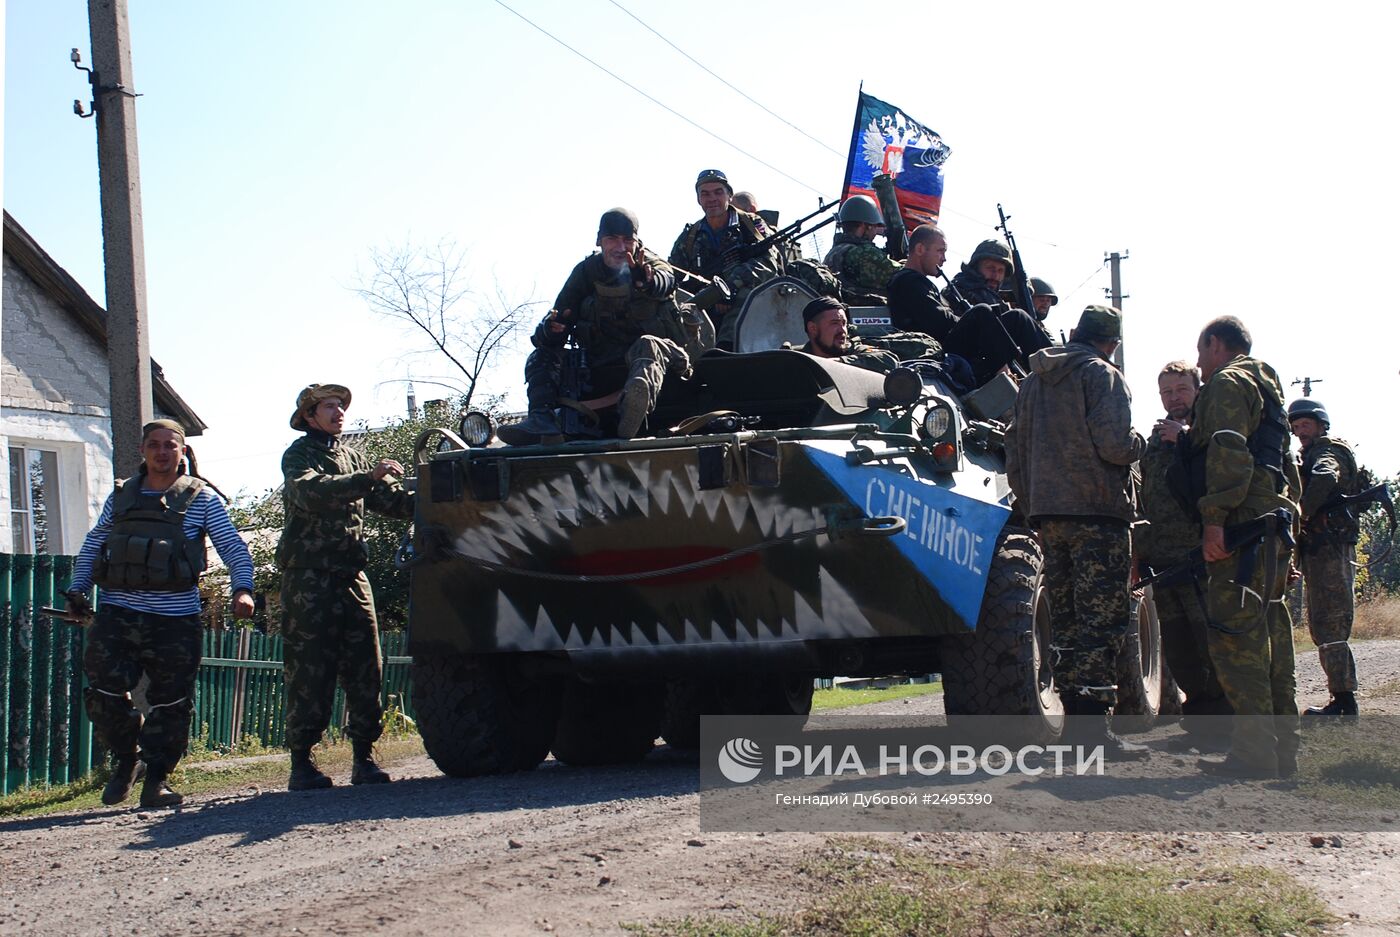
1354,506
1246,539
747,252
1021,282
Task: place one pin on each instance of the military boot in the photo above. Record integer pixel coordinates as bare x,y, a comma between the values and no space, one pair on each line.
539,423
633,408
365,770
305,775
1093,728
1341,704
155,792
123,777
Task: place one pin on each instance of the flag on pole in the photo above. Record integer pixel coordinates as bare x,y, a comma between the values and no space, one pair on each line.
886,140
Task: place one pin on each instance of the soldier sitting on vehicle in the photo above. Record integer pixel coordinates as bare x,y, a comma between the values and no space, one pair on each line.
988,339
828,336
862,268
619,307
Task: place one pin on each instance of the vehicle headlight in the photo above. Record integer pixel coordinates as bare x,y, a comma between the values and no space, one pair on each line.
477,428
903,386
938,420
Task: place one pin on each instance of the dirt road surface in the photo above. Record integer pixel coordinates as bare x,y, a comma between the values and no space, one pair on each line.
560,850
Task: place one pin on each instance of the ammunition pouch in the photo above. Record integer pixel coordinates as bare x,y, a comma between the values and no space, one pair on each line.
147,549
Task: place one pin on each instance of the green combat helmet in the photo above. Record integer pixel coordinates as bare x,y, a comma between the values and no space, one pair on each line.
992,249
860,209
1304,406
1041,287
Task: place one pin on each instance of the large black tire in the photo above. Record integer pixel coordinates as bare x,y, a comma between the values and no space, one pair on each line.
686,701
477,715
1172,697
1004,667
1140,671
607,724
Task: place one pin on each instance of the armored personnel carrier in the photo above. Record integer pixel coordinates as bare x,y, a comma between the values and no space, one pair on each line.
786,518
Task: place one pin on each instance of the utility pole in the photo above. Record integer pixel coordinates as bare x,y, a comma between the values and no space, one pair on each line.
1307,383
1115,293
123,247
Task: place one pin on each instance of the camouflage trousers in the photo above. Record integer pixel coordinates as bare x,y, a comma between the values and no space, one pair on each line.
330,632
1329,573
1181,615
121,645
1087,564
648,362
1250,637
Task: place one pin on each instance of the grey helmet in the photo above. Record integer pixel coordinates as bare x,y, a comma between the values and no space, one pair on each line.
1303,406
860,209
1041,287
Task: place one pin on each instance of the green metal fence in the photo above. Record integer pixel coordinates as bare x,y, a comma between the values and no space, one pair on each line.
45,736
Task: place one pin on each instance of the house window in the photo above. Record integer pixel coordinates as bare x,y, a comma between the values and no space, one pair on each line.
35,523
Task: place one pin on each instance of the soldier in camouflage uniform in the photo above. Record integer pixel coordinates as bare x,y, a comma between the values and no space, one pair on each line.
828,336
1238,454
862,268
1166,540
329,628
146,553
1327,551
619,306
723,244
1069,452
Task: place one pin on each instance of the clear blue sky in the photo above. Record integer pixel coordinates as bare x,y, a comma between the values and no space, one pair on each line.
1240,153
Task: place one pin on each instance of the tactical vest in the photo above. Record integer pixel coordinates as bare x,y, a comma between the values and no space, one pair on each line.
1342,525
617,316
1268,444
147,548
747,223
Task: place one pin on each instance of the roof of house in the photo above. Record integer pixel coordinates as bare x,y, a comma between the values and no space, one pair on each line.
60,285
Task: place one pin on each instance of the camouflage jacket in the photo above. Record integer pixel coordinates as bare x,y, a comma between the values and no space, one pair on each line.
1071,444
861,267
861,356
1329,467
701,250
326,486
1169,534
608,311
972,286
1227,413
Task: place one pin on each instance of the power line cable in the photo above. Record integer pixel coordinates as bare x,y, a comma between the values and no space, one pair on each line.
728,84
658,103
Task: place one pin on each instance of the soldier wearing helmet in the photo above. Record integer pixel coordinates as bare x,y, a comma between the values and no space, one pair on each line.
981,277
1327,550
862,268
329,627
1043,296
722,244
619,306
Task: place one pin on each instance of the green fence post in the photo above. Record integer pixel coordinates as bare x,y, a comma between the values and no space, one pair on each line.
6,565
21,664
61,753
42,704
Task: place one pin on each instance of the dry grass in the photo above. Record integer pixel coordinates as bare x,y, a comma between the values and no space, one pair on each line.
1375,618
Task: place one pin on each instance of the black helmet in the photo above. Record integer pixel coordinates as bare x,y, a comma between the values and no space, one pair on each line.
1305,407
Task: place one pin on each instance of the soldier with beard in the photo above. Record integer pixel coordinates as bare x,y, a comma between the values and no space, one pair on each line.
1166,541
981,277
828,337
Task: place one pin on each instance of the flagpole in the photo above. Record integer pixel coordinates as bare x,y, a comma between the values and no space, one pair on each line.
855,128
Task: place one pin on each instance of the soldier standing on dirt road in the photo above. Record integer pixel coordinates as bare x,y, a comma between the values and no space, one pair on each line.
1069,451
1327,551
1166,541
329,628
149,618
1240,432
